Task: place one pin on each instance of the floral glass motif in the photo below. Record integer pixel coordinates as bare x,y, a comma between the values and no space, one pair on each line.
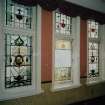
18,60
93,49
63,24
62,60
18,15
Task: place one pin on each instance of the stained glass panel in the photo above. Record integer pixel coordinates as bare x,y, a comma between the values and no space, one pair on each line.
18,60
63,60
92,29
93,49
63,24
18,15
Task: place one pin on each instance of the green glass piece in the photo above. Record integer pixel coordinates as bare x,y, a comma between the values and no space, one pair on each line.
93,72
26,59
10,59
19,41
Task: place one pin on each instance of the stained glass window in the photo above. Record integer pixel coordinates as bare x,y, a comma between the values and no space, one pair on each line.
18,60
63,48
66,51
93,49
63,24
17,15
63,60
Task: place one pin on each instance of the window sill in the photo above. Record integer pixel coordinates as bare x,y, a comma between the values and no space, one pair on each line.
94,82
32,92
64,87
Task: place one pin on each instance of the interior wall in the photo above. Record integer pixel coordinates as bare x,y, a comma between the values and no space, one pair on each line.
46,46
83,48
64,97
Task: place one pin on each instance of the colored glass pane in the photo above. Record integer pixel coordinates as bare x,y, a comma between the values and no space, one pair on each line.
18,15
18,60
63,24
62,60
93,49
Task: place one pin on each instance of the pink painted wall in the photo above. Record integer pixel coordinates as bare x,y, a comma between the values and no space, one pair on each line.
46,47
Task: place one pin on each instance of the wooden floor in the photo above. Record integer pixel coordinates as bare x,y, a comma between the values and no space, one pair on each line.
95,101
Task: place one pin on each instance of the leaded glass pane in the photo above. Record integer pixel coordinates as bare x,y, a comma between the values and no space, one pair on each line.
63,24
93,49
63,60
92,29
18,60
18,15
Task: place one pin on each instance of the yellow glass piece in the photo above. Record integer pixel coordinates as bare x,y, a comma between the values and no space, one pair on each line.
63,44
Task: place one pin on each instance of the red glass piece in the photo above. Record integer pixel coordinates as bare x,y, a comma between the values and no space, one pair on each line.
62,24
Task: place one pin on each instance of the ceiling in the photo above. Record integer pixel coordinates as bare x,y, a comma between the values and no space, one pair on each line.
98,5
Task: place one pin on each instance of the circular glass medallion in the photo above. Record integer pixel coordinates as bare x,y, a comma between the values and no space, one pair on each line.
19,60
